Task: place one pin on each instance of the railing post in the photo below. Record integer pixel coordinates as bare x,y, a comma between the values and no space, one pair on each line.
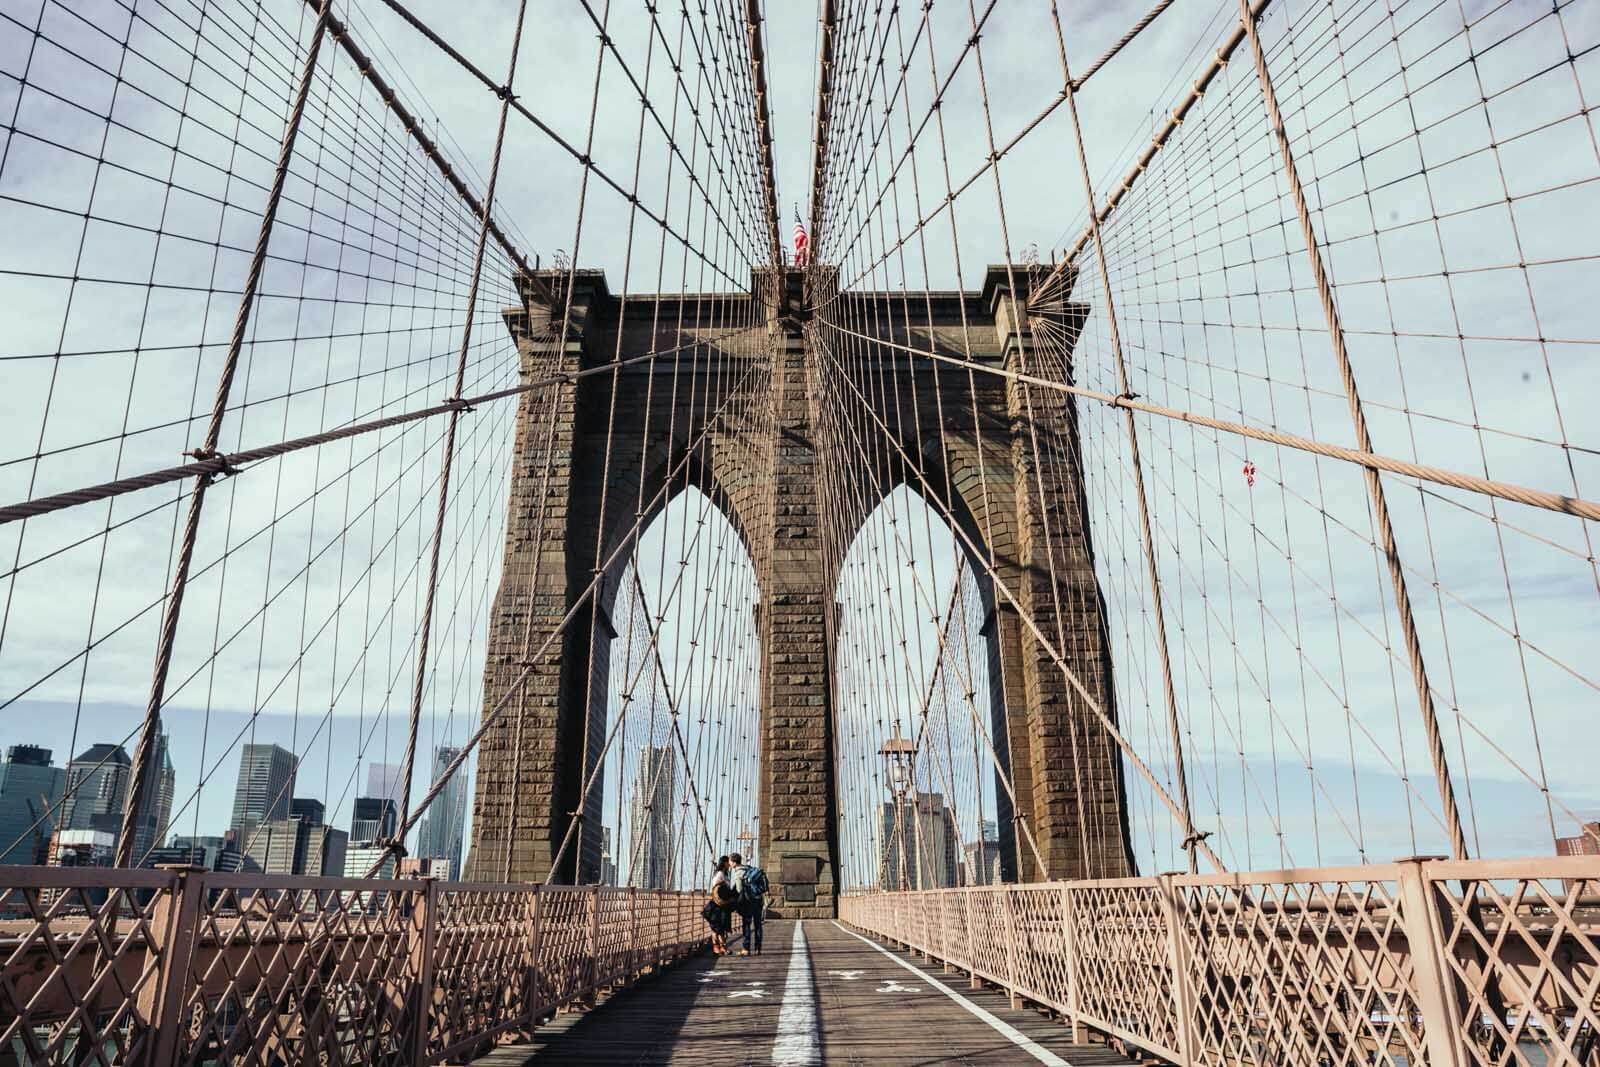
1435,989
972,941
1011,946
1069,946
594,944
944,932
535,975
633,933
425,939
1178,962
175,925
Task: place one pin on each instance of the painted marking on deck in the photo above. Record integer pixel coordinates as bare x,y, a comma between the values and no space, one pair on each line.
755,994
797,1044
847,976
1000,1026
892,986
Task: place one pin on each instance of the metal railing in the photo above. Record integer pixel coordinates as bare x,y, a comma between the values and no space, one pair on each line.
195,967
1467,964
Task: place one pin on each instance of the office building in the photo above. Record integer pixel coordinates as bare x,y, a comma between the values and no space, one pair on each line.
266,782
980,863
358,859
82,848
96,789
373,819
384,780
1585,843
651,810
150,829
301,844
919,843
608,862
313,811
444,827
30,786
425,867
213,853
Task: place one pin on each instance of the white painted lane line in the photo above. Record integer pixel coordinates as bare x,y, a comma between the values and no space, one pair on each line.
798,1044
1000,1026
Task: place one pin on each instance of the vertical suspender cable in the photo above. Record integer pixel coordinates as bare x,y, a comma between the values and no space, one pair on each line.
139,774
1380,507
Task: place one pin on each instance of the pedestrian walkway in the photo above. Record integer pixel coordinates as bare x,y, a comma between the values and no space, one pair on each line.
819,994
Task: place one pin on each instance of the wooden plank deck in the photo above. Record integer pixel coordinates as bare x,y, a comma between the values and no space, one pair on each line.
863,1006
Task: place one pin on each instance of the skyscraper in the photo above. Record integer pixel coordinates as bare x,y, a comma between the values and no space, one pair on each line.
655,786
150,829
313,811
300,844
608,863
97,789
384,781
920,844
266,779
209,851
373,818
445,825
29,786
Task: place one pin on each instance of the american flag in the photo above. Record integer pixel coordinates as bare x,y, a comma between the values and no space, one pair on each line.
1249,473
801,242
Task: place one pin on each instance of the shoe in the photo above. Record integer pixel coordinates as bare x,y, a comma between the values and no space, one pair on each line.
744,952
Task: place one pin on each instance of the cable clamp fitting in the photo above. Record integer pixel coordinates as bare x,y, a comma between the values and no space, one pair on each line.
1128,397
1194,839
204,455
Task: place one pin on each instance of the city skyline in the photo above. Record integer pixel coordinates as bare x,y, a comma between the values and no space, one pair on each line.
269,828
206,750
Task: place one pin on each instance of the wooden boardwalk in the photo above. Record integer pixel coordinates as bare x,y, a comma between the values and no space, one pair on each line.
826,996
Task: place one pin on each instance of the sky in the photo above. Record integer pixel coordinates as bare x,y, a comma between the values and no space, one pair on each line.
1451,166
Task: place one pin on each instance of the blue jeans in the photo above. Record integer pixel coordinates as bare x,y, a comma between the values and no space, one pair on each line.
751,926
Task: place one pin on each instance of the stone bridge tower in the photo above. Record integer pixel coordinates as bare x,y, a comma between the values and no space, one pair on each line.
1066,774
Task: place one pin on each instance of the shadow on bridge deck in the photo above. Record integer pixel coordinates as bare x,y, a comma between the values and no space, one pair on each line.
826,996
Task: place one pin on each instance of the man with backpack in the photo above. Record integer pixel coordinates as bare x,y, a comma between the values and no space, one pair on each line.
750,887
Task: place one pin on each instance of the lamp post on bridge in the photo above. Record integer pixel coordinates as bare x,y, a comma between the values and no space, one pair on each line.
899,755
747,846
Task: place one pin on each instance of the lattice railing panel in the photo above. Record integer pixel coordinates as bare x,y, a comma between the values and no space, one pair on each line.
1526,961
1478,964
1300,972
566,925
616,932
191,967
1041,950
81,963
297,969
1122,934
986,912
482,963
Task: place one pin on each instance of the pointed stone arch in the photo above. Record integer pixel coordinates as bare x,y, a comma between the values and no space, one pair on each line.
995,489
